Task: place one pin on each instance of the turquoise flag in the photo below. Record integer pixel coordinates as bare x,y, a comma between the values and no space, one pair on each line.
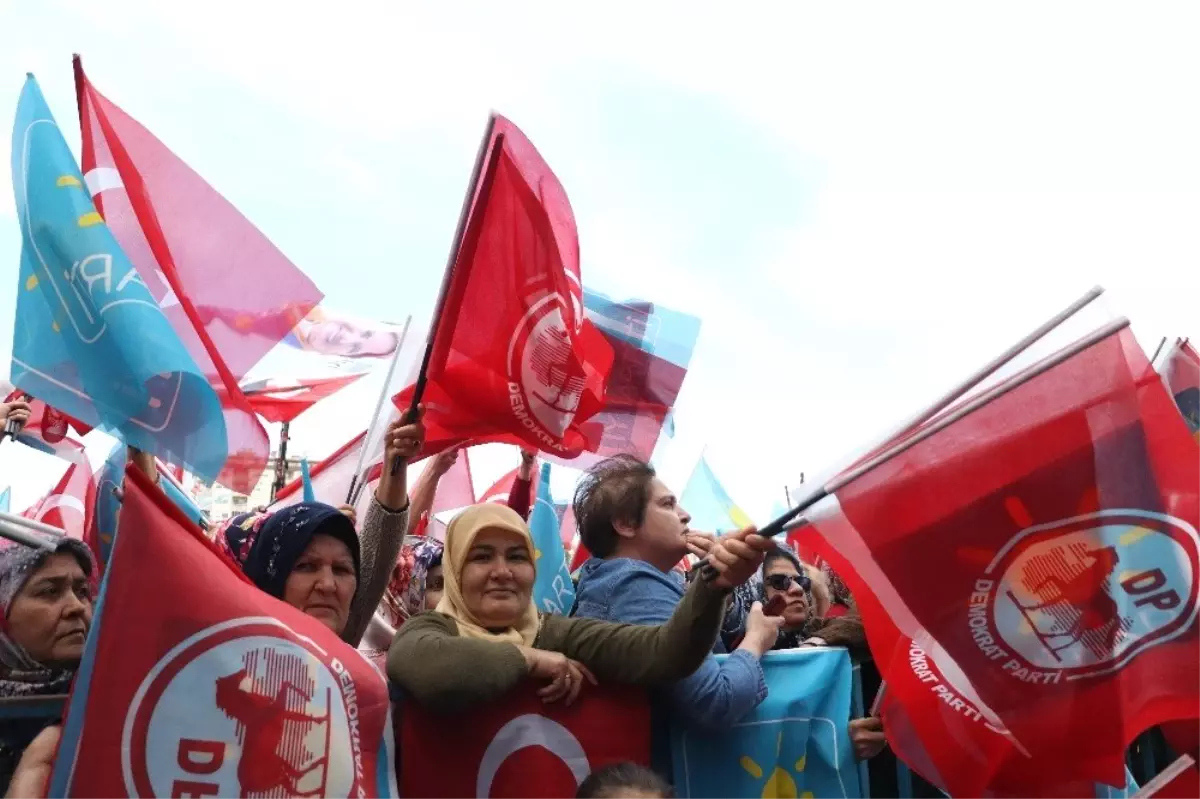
796,743
309,494
5,499
88,337
553,592
710,506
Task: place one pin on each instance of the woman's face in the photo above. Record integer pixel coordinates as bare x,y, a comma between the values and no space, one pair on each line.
781,578
51,614
434,586
497,579
322,582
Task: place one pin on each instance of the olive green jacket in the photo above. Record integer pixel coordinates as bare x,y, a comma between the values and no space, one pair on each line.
446,672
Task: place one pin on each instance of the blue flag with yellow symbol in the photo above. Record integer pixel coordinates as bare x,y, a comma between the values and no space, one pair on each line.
89,338
796,743
553,591
710,506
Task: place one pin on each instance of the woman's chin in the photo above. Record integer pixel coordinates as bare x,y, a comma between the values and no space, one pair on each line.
326,617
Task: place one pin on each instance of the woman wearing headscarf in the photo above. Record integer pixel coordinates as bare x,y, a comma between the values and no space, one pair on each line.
486,635
310,556
415,586
46,600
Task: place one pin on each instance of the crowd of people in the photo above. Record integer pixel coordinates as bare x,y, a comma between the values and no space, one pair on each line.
453,622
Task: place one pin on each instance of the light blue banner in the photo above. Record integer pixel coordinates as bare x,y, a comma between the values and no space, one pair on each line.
796,743
553,592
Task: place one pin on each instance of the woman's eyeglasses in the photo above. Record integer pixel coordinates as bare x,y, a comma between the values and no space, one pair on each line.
782,582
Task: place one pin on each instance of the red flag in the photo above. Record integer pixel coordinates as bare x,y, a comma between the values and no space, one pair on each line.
1046,541
70,504
513,358
520,746
228,292
281,400
46,423
196,683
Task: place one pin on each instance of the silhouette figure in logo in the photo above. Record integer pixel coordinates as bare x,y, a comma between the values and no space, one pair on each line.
1096,621
261,768
551,363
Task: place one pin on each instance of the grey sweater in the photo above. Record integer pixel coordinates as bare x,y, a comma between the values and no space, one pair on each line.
379,540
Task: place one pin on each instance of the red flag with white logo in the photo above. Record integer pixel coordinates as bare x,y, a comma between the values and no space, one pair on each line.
1045,538
520,746
196,683
513,358
228,292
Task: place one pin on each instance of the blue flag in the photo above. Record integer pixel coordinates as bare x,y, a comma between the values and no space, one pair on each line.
796,743
89,338
108,507
710,506
309,494
553,592
5,499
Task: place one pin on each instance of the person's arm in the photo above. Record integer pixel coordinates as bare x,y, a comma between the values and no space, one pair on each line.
447,673
520,494
715,695
661,638
383,530
425,489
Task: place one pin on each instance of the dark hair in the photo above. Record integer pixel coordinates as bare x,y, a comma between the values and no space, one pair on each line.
779,553
610,780
615,490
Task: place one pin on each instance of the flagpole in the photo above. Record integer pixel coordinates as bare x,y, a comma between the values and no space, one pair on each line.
20,530
1158,350
460,232
982,374
351,496
789,520
785,522
281,460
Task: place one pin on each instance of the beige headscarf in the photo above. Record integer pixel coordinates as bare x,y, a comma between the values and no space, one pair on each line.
460,536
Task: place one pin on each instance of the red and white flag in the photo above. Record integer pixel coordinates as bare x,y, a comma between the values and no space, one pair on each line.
1045,540
513,357
70,504
196,683
520,746
281,400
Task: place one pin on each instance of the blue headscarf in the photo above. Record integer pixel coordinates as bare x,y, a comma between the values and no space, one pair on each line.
267,545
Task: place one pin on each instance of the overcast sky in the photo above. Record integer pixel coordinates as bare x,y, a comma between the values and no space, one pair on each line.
862,202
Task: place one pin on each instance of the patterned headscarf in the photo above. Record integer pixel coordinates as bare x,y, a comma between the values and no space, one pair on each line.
405,594
267,545
20,674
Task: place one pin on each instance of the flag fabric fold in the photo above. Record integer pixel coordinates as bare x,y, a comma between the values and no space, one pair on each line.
238,695
89,338
281,400
1181,372
513,358
1042,545
227,291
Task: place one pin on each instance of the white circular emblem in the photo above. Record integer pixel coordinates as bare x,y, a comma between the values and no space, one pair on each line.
244,708
1083,596
546,380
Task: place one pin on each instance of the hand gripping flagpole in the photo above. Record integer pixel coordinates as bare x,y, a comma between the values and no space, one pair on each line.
471,198
880,454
